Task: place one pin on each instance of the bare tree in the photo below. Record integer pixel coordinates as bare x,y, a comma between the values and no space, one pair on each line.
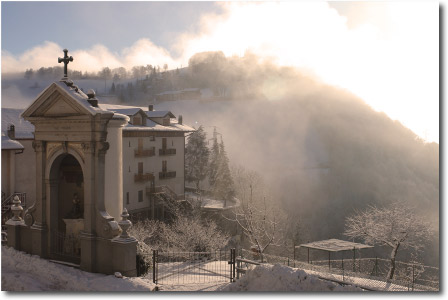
395,226
259,219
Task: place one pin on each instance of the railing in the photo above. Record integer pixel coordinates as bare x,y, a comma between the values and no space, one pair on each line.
7,202
143,177
167,151
167,175
240,269
365,273
145,152
191,267
163,189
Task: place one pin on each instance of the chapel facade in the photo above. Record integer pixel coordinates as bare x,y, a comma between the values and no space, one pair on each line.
90,163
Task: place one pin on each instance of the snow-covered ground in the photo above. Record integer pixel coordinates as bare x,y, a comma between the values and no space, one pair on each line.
24,272
266,278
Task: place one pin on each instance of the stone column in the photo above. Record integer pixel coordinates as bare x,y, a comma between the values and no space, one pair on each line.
114,166
124,248
87,236
39,233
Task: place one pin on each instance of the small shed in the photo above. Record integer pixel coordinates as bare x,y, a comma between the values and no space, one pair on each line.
333,245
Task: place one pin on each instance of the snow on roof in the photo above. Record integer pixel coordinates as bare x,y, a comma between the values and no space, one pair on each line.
334,245
23,128
153,126
79,96
159,113
8,144
121,109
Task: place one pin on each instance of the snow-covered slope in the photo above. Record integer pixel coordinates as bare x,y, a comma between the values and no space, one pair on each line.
24,272
270,278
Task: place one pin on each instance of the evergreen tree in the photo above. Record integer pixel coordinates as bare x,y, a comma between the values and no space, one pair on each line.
223,187
214,161
112,88
196,157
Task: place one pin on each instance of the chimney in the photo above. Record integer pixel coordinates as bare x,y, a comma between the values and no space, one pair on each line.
92,99
179,120
11,132
150,107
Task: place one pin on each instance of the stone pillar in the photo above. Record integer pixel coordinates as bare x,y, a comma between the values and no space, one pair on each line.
39,233
113,194
87,236
15,224
124,249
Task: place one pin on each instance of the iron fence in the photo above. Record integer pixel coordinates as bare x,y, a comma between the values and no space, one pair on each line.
192,267
367,273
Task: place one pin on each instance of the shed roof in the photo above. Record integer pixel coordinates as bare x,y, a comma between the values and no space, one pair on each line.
334,245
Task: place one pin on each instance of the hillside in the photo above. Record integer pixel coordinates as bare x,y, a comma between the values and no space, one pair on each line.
323,151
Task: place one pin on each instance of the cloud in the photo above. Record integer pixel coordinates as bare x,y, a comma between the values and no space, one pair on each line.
142,52
392,64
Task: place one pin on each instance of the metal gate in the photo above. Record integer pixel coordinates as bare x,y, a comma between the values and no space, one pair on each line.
193,267
65,248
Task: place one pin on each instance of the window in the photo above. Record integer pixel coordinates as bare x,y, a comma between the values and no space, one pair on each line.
137,120
164,167
140,168
140,144
129,144
152,138
166,121
172,143
163,143
140,196
127,197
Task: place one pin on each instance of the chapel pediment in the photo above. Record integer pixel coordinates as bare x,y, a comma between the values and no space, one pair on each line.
60,100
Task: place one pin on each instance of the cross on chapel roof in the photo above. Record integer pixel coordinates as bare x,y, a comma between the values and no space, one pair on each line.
66,59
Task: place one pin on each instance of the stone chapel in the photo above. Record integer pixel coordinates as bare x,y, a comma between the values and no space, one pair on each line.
79,193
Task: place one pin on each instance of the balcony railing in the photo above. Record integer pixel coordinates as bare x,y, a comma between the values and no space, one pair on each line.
143,177
167,175
145,152
167,151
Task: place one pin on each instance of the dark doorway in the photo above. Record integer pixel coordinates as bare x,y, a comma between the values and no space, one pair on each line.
67,208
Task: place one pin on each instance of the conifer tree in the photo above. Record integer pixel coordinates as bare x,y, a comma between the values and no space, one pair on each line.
214,161
223,187
196,157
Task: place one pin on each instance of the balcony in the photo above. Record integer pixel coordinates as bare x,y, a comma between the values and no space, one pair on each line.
167,151
167,175
145,152
143,177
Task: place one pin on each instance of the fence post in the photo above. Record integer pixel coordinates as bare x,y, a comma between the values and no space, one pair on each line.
288,261
294,255
413,278
354,259
376,266
154,266
343,275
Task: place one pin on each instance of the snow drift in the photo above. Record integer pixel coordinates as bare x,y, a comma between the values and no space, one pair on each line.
277,278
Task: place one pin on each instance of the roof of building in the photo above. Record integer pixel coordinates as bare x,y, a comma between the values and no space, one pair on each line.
159,114
8,144
335,245
121,109
68,88
153,126
23,128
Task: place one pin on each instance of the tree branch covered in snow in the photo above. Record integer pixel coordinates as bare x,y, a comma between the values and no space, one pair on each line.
394,226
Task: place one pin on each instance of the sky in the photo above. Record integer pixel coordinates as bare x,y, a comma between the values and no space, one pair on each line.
387,53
